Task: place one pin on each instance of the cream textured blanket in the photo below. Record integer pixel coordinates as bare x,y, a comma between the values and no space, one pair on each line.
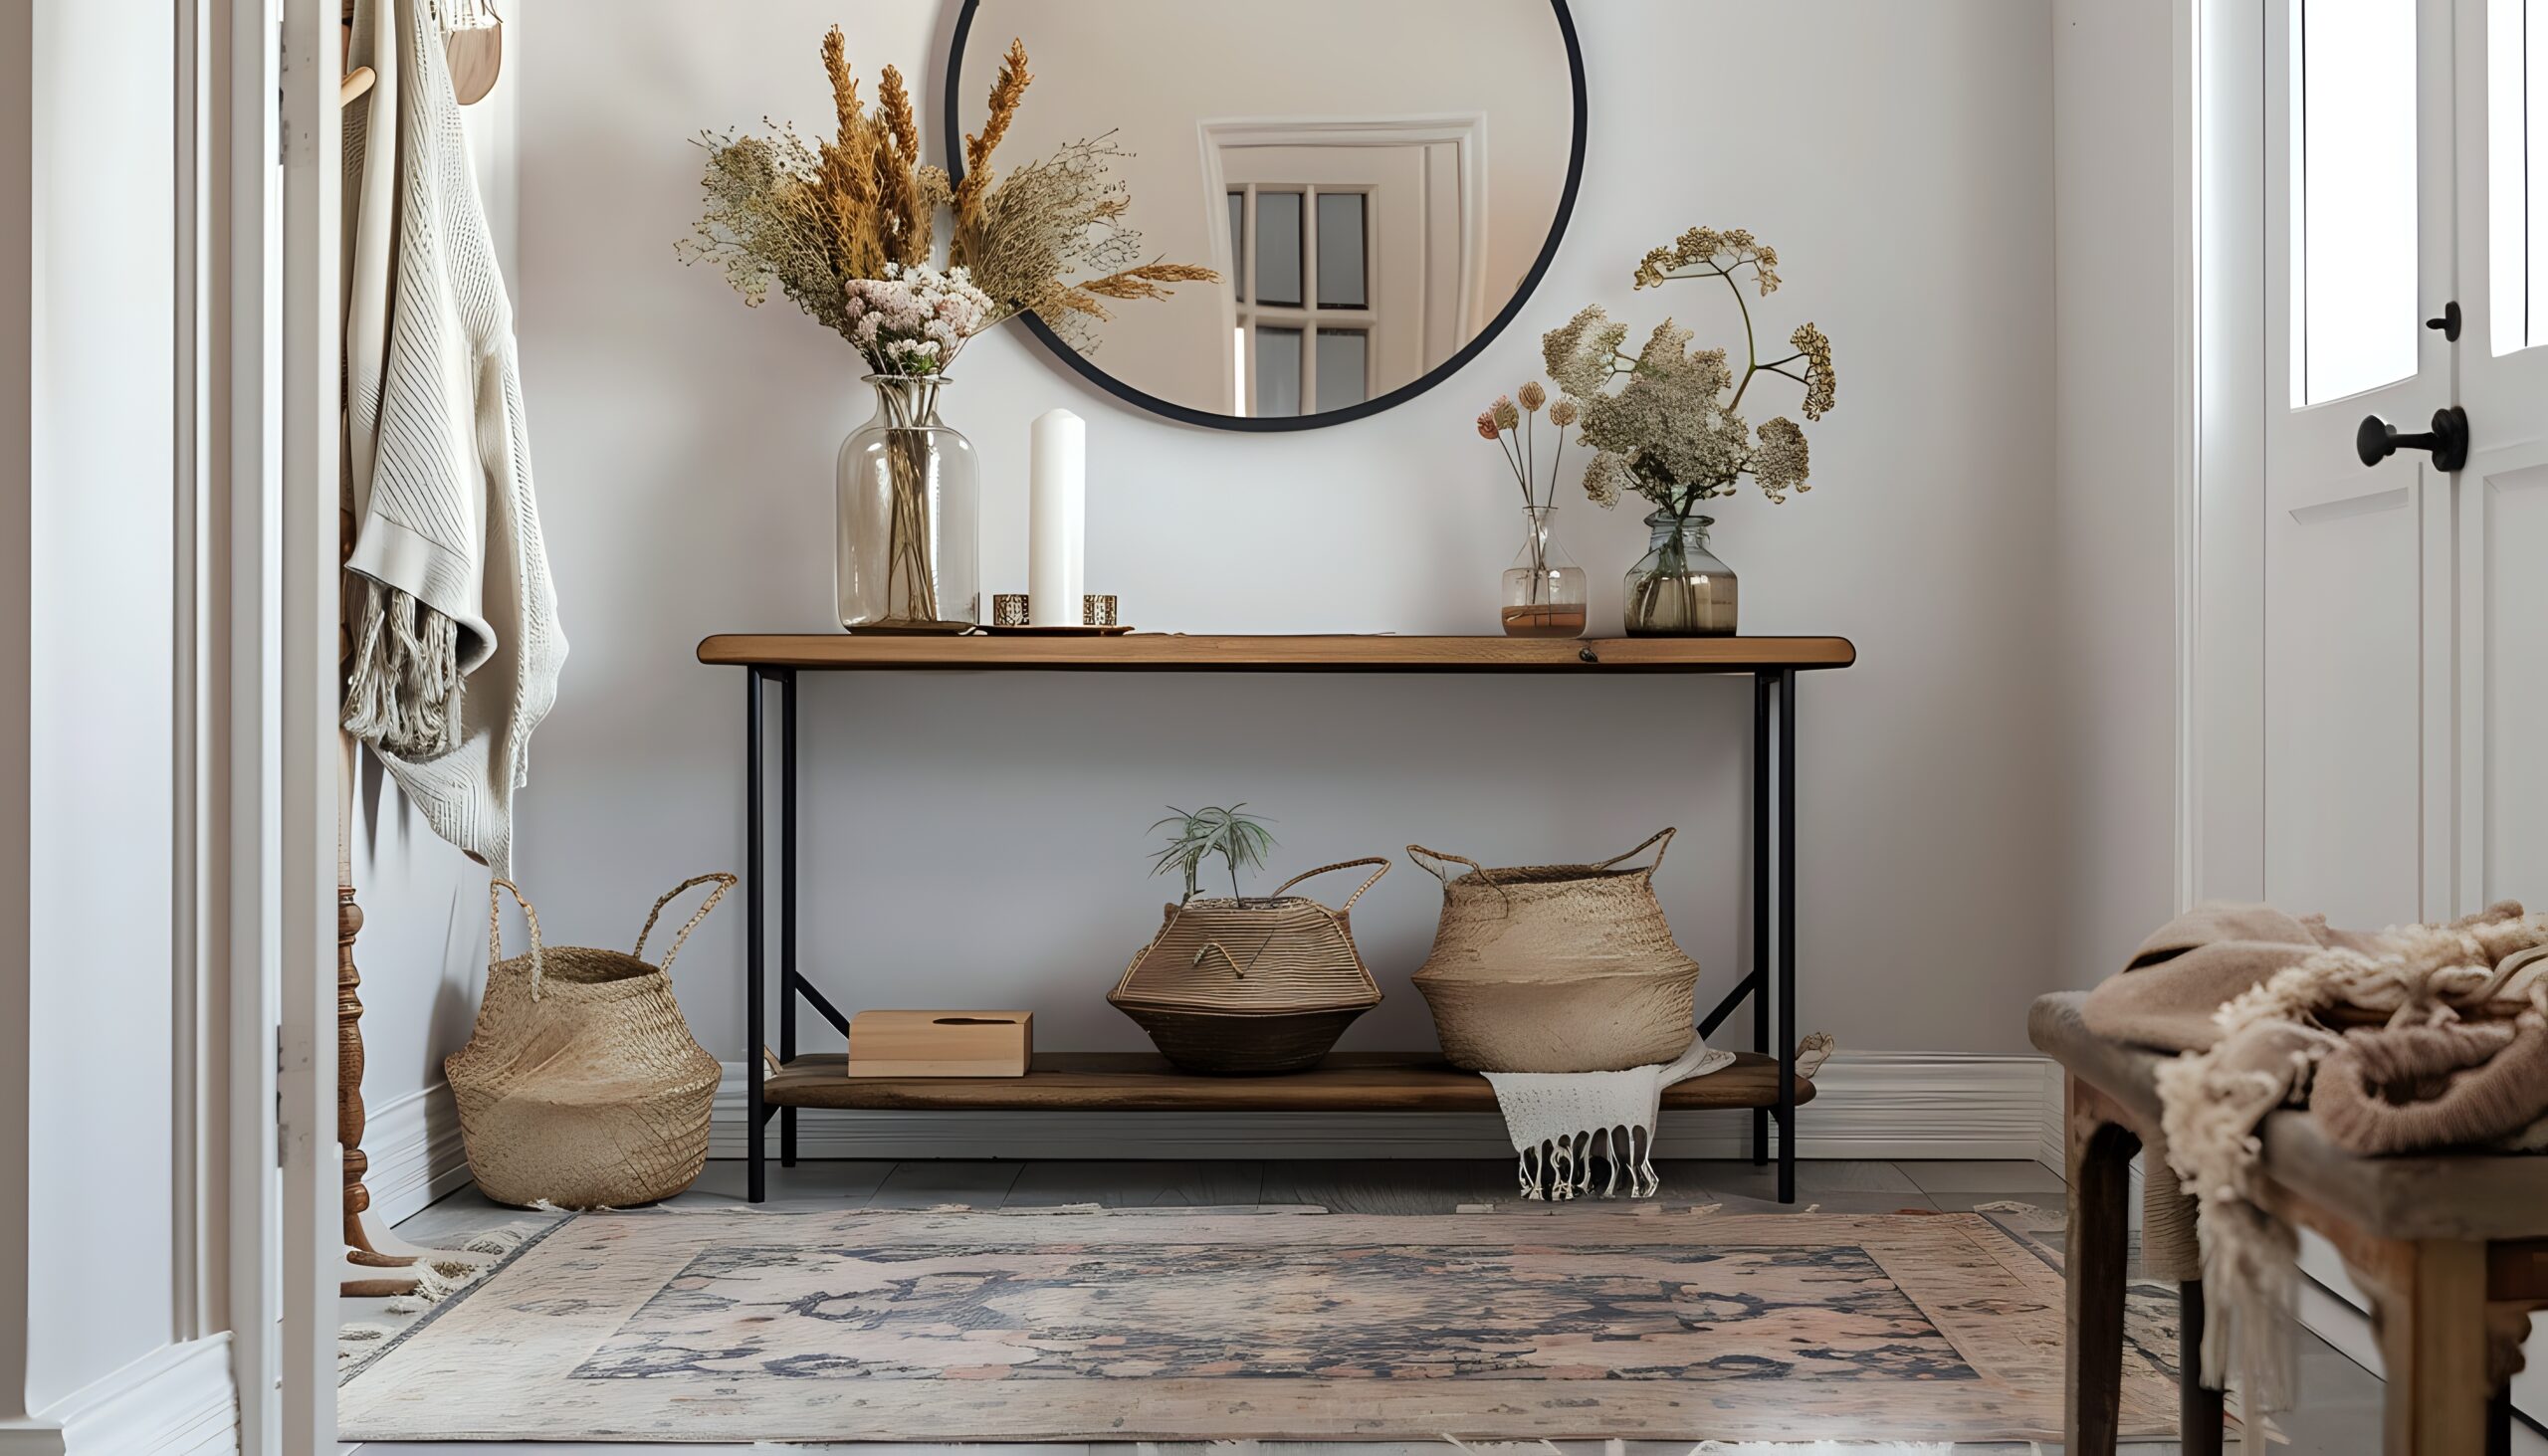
457,648
1558,1119
2411,1038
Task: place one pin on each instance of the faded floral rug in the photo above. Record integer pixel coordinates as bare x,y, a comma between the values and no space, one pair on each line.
737,1326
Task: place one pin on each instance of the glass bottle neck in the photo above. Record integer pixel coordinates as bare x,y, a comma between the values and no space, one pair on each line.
1687,530
906,401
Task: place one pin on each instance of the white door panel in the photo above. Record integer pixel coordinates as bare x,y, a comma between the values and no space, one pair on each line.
2343,660
2359,245
2512,684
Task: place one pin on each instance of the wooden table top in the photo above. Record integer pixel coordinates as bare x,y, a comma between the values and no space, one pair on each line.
1178,652
1125,1082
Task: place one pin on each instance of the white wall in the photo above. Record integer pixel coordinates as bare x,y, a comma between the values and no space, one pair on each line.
2114,544
101,1228
980,840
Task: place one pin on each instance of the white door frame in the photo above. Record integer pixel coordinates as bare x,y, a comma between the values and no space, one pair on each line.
278,259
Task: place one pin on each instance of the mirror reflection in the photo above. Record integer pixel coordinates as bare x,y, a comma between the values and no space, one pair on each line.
1373,198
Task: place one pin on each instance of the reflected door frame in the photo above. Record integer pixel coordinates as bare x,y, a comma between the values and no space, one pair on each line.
1462,134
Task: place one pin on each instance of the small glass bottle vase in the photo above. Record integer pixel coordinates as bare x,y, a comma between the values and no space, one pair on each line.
1543,591
910,502
1681,588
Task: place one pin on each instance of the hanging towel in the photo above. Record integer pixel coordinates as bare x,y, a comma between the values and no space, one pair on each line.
1558,1119
456,644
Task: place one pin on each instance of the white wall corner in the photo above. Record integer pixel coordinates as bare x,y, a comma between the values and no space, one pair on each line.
1883,1105
177,1401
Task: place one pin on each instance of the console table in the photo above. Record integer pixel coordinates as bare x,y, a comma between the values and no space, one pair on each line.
1762,1080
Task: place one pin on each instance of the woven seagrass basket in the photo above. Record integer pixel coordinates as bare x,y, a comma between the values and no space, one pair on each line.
581,1085
1249,986
1557,967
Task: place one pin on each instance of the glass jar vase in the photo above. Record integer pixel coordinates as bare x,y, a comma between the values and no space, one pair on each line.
910,514
1679,588
1543,591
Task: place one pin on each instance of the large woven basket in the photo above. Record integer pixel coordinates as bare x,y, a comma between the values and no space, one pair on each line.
1557,967
581,1085
1249,986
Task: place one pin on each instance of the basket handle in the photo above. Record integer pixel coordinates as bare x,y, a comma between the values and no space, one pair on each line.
1419,853
1214,948
1662,837
723,881
1340,865
496,891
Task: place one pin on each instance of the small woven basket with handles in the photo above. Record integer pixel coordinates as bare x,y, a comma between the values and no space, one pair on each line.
1557,967
581,1085
1251,986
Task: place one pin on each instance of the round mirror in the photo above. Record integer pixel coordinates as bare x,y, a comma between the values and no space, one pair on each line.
1379,183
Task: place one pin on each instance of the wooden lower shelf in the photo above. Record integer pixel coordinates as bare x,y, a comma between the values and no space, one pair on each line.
1135,1082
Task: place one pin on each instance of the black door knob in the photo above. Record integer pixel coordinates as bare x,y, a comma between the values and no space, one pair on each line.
2378,439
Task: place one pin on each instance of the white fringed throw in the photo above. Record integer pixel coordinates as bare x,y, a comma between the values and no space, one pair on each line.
456,642
1558,1119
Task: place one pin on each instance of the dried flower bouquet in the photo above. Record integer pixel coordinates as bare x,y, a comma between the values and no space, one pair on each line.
1666,422
847,228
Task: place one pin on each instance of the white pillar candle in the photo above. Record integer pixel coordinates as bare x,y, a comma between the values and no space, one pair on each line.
1057,520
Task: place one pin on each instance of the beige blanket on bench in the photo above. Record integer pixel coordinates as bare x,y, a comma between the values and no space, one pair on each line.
2414,1037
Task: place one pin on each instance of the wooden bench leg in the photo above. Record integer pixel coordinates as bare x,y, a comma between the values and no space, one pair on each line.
2432,1340
2198,1409
2094,1258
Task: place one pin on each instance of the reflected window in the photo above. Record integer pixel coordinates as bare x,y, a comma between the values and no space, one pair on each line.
1301,263
2517,171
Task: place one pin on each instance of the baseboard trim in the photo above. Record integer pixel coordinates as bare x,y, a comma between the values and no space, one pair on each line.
177,1401
413,1144
2054,1151
1888,1105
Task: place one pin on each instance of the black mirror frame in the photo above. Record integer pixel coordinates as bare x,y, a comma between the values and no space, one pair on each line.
952,139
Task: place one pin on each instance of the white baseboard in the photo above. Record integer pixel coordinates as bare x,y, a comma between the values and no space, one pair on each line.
177,1401
1886,1104
2053,1151
413,1142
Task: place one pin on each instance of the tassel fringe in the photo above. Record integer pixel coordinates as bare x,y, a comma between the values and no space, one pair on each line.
403,693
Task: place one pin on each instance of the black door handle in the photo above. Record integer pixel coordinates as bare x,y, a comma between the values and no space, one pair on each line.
2378,439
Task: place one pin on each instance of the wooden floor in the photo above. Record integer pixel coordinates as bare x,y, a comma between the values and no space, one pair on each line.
2342,1399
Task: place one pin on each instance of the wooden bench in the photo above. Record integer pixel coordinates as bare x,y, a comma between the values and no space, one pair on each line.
2454,1249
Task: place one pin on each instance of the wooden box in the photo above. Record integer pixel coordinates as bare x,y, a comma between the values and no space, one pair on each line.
941,1043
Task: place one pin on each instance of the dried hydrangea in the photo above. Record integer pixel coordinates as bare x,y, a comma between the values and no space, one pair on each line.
1507,415
1667,423
1563,413
1821,383
1532,396
1781,461
913,321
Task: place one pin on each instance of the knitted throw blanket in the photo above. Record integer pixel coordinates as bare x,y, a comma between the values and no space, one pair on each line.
2413,1038
457,648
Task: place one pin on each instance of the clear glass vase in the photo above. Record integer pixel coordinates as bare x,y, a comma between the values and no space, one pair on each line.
1543,591
1679,588
909,502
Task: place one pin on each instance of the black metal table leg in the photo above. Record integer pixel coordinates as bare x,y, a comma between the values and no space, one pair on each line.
1759,899
2197,1409
1787,936
757,1176
788,973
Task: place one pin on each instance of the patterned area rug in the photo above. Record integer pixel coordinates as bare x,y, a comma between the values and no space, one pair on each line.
734,1325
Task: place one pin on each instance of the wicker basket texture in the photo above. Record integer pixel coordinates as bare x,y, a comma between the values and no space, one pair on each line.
1251,986
1557,967
581,1085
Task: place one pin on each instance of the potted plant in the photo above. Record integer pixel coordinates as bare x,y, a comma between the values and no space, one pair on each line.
1247,984
1667,423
